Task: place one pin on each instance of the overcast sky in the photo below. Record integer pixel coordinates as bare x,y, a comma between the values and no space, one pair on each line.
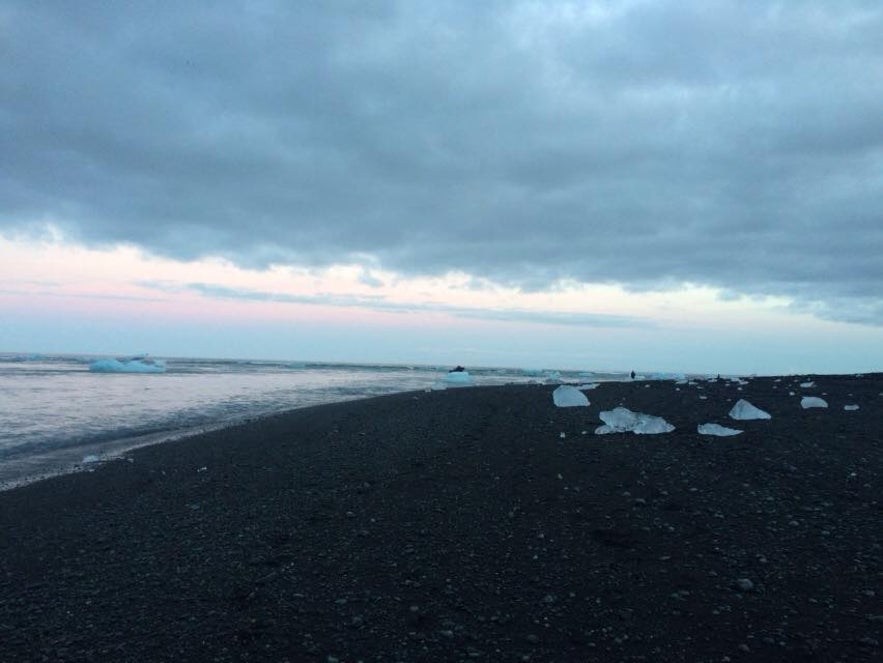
650,145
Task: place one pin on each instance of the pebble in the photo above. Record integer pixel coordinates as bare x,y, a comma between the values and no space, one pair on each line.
744,585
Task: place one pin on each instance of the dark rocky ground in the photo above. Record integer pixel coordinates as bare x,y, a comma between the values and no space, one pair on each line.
461,526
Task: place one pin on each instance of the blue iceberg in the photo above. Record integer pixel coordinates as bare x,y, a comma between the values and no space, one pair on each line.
142,364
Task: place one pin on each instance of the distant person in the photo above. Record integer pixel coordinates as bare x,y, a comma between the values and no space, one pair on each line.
633,375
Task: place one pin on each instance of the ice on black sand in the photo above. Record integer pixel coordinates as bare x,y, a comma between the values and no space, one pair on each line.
623,420
567,396
716,429
812,401
745,411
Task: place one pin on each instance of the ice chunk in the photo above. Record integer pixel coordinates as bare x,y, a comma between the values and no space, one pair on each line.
567,396
91,458
133,365
623,420
808,385
850,408
812,401
744,411
716,429
459,379
587,386
552,377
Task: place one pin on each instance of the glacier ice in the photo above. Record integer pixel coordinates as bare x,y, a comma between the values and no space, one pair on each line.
744,411
459,379
623,420
678,377
552,377
812,401
850,408
134,365
716,429
567,396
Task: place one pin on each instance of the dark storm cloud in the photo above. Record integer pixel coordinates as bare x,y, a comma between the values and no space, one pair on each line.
734,144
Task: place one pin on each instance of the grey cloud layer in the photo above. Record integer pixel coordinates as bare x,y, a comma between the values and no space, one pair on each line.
379,303
737,144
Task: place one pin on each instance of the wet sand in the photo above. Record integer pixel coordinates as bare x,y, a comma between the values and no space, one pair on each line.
462,526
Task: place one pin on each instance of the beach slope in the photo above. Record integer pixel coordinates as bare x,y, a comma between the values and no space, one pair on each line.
475,524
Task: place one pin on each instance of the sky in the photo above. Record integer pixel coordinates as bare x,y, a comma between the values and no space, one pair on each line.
668,185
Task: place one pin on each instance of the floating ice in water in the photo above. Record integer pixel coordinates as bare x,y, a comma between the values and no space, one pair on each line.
716,429
850,408
567,396
91,458
812,401
744,411
623,420
666,376
552,377
459,379
133,365
808,385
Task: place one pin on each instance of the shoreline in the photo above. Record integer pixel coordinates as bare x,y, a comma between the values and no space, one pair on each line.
460,525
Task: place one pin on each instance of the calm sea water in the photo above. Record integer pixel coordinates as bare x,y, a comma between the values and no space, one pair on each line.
55,412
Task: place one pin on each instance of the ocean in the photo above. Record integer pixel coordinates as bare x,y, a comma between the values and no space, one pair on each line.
63,412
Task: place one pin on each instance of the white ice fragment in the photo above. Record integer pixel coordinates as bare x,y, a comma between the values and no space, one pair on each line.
715,429
623,420
812,401
91,458
744,411
587,386
850,408
808,385
567,396
459,379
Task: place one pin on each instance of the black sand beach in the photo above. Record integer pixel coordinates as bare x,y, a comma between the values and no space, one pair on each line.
461,526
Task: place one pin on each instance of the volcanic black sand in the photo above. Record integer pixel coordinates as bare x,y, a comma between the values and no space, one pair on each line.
462,526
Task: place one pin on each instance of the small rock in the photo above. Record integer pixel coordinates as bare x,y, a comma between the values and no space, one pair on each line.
744,585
